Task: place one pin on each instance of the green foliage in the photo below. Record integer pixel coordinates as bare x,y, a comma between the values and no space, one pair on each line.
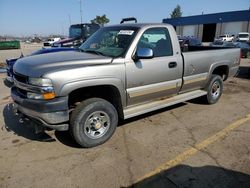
100,20
176,13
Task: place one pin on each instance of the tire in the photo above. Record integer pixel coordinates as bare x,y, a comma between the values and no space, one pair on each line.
93,122
214,89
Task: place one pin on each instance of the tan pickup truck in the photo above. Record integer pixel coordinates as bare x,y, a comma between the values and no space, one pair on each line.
120,72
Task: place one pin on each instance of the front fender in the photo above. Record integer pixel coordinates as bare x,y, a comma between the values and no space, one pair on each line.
72,86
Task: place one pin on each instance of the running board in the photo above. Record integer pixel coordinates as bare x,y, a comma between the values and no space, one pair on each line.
161,103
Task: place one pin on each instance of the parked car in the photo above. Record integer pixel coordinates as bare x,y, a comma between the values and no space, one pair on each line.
50,41
243,37
220,43
120,72
10,62
185,42
226,37
245,49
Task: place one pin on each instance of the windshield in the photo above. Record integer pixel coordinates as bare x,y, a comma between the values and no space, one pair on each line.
75,32
110,41
243,35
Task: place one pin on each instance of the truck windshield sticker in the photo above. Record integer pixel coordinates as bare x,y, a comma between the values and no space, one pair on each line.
126,32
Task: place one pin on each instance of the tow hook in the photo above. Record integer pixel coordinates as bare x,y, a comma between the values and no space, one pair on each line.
14,109
38,128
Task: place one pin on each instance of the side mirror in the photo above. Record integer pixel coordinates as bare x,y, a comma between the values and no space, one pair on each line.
143,53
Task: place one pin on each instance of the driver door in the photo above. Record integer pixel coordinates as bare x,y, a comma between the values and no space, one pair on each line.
160,76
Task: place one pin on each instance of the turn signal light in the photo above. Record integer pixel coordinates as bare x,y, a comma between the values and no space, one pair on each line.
48,96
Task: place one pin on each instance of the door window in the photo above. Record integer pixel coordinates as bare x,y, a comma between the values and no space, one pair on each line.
158,39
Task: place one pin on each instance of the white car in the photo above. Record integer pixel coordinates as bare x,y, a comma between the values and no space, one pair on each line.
226,37
51,41
244,36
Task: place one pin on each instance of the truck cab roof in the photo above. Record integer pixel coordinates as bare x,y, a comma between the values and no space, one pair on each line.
140,25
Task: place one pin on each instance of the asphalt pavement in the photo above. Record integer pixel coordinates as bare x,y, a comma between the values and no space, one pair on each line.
187,145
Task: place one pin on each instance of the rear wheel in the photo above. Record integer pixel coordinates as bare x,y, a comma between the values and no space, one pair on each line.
93,122
214,89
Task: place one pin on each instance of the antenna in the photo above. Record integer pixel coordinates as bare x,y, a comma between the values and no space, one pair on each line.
69,19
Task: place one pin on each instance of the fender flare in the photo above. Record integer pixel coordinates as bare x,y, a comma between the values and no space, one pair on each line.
67,88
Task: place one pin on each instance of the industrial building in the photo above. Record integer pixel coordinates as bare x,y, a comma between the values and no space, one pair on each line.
206,27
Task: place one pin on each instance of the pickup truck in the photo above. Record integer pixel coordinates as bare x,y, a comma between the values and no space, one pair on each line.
226,37
120,72
78,33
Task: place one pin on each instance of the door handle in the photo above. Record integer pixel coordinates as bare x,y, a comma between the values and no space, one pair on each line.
172,65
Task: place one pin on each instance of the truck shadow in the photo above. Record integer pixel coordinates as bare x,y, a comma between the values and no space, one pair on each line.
65,138
26,129
195,177
244,72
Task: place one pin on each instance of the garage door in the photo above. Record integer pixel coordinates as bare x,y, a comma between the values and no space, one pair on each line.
189,30
233,28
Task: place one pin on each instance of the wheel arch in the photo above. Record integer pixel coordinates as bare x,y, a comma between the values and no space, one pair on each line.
221,69
111,90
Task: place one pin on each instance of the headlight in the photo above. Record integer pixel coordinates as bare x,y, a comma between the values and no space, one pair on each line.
34,95
47,96
44,82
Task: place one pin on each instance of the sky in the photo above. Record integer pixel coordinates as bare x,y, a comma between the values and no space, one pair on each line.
44,17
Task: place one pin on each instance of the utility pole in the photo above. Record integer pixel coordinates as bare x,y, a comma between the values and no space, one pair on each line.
220,26
69,19
81,10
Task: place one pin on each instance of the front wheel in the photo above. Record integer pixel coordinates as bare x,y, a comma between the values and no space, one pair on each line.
214,89
93,122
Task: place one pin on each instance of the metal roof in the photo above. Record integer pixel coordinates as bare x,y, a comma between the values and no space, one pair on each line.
234,16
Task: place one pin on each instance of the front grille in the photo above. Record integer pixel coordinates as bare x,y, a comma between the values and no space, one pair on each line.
22,92
21,78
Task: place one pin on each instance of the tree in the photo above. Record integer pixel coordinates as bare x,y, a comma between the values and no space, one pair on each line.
176,12
100,20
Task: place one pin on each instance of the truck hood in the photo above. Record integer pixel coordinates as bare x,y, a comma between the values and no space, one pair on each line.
38,65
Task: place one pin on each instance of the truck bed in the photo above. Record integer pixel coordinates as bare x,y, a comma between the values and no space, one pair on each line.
200,61
203,48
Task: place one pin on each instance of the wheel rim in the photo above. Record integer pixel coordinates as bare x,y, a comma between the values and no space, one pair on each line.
215,91
97,124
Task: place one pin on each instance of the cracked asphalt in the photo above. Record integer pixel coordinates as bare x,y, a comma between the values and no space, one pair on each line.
138,147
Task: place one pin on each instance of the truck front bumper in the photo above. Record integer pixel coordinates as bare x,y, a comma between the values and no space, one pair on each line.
53,113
